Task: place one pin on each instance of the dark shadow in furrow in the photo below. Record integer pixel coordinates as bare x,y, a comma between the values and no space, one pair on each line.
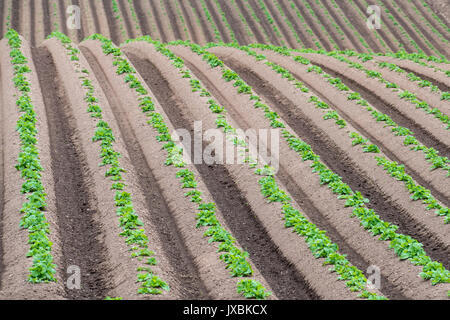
62,15
348,33
126,18
94,15
444,20
278,20
80,31
310,21
264,23
141,15
340,163
442,86
189,23
158,21
437,194
422,29
380,32
431,20
328,27
422,45
75,204
354,19
32,24
15,16
299,196
243,224
113,30
2,7
158,212
303,37
388,108
217,20
47,21
171,13
251,23
235,26
2,179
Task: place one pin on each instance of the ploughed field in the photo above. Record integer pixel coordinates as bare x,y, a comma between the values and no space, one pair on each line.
97,199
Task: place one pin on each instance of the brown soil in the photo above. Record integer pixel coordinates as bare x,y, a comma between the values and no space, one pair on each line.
251,23
301,173
234,22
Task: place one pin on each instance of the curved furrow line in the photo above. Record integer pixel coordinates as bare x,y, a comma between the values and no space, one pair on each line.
235,23
406,81
203,21
305,39
427,129
75,204
354,167
359,25
282,26
297,169
112,26
16,272
262,218
263,21
426,14
338,20
194,34
250,21
124,10
159,212
213,10
142,17
234,104
430,36
228,195
173,20
214,276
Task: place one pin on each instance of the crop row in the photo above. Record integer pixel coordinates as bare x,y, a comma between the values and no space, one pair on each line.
234,258
28,163
404,246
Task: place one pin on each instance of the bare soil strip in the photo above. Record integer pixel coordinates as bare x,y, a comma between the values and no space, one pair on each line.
264,23
217,280
87,18
381,32
99,11
234,22
391,145
250,21
161,216
14,240
84,26
174,21
327,203
338,20
206,28
2,175
46,16
282,26
431,20
439,79
428,130
359,25
62,14
157,16
94,14
2,19
190,22
304,37
112,26
126,18
230,199
401,79
358,170
430,36
15,16
75,208
218,21
327,207
233,103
